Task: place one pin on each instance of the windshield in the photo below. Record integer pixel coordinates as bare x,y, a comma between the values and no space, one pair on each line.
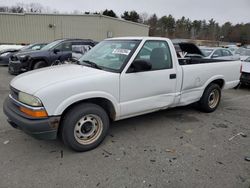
27,47
51,45
247,60
111,54
207,52
233,49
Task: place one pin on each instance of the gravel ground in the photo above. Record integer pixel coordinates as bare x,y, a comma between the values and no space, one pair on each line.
180,147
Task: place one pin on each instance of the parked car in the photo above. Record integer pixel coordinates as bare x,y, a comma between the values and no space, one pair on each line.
5,54
58,50
245,75
232,48
10,46
219,53
244,53
119,78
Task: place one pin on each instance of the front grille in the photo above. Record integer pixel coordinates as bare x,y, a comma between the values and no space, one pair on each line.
245,75
14,93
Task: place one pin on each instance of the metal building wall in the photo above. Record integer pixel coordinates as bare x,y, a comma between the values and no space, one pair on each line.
29,28
122,28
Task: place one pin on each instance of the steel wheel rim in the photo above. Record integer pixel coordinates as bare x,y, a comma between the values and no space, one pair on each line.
213,98
88,129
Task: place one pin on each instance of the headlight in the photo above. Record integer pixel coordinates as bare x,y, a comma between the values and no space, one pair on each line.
5,54
29,99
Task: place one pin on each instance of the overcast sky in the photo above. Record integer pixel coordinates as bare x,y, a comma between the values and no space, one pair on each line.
235,11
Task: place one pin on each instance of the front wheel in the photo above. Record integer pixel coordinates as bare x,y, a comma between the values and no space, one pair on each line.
210,99
39,64
84,127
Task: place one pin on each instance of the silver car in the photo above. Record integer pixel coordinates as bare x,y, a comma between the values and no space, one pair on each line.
219,53
244,53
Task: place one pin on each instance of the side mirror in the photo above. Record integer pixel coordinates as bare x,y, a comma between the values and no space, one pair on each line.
56,51
141,65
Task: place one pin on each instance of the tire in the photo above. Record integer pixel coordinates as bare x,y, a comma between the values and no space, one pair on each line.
39,64
84,127
210,99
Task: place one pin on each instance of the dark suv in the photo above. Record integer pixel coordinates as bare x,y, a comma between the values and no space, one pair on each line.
5,54
61,50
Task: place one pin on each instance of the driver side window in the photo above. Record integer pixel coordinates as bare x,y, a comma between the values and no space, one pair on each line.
157,53
65,47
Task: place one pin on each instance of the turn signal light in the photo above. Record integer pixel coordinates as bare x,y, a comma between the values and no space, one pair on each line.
34,113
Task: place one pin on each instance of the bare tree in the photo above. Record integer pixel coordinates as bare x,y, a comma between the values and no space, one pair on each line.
143,17
32,7
4,9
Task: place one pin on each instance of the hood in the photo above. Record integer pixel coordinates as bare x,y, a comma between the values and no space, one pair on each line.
32,53
33,81
8,50
28,50
190,48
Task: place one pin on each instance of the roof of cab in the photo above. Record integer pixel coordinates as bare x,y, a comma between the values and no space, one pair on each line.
138,38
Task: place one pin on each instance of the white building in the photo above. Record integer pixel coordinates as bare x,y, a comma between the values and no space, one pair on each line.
32,27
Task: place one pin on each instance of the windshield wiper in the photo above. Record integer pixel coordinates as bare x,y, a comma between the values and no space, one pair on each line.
92,64
76,61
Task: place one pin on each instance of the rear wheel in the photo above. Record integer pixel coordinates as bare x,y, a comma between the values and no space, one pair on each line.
211,98
84,127
39,64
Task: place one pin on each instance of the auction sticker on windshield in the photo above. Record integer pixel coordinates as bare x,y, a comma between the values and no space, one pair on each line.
121,51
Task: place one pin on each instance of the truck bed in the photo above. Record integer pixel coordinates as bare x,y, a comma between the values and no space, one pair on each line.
198,73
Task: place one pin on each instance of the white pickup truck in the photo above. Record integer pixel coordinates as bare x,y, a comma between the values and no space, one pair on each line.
117,79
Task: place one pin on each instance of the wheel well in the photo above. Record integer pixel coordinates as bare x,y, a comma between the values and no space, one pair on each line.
220,82
36,60
104,103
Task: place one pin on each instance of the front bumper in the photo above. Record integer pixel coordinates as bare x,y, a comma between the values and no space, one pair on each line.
245,78
16,67
45,128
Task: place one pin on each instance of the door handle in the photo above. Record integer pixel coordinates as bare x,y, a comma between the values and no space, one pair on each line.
172,76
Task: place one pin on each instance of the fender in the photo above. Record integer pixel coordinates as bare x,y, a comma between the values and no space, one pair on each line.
194,95
209,81
216,77
84,96
35,59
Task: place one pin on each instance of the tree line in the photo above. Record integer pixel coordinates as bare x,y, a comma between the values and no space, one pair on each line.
168,26
165,26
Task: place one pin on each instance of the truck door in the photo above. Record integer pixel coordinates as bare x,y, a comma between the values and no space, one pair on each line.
147,91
